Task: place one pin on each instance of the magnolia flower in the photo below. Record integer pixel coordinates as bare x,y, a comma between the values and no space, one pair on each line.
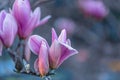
26,19
39,46
94,8
8,29
59,51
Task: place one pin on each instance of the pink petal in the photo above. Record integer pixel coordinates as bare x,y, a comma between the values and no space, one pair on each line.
36,66
54,35
67,51
29,27
2,17
62,36
9,30
34,43
37,13
21,10
44,20
54,54
43,63
1,47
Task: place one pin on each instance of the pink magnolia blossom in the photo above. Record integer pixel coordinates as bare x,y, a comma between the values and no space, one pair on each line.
94,8
8,29
26,19
39,46
59,51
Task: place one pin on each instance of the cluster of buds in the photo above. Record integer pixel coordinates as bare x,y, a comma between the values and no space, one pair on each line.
21,21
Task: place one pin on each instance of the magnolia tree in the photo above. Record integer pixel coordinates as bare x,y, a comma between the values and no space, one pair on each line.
21,21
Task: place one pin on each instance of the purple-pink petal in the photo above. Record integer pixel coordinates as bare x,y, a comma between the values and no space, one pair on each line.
43,63
54,54
37,12
62,37
67,51
29,27
2,17
54,35
21,10
44,20
34,43
9,30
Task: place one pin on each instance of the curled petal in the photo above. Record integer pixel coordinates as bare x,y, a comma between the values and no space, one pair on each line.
62,36
1,46
9,30
54,35
54,54
67,51
34,43
43,63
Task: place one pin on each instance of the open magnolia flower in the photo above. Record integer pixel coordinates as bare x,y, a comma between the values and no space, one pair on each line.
8,29
50,57
26,19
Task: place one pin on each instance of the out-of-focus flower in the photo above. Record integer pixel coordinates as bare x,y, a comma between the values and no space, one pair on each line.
60,49
67,24
82,56
26,19
8,28
94,8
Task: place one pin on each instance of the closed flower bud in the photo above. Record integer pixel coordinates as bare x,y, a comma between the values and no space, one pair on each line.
8,28
26,19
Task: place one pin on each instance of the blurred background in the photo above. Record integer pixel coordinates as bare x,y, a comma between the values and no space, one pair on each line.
93,27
